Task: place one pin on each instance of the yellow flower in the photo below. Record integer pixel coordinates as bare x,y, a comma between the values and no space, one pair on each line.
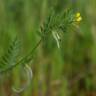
77,14
78,17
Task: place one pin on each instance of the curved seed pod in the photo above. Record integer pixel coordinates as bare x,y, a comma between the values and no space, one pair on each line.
56,37
28,70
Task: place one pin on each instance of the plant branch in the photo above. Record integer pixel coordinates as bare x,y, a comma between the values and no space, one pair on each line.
27,57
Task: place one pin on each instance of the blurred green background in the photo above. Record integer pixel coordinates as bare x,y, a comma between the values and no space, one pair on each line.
67,72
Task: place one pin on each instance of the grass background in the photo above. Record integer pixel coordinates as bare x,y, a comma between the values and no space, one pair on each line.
53,69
